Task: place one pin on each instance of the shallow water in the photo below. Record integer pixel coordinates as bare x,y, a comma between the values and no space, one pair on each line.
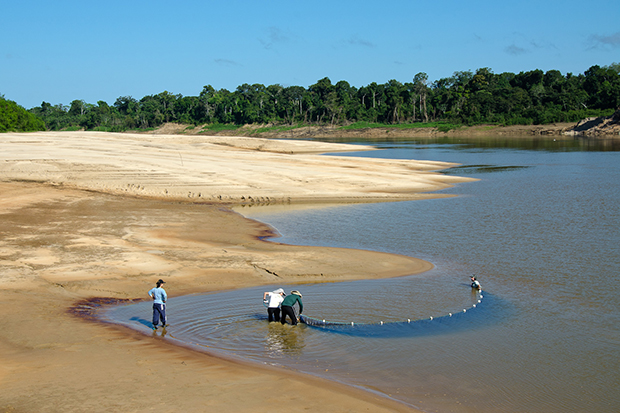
540,229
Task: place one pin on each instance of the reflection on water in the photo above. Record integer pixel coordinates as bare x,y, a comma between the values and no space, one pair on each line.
162,332
540,229
284,340
472,169
560,143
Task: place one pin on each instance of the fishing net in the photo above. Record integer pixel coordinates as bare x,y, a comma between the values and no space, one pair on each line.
337,325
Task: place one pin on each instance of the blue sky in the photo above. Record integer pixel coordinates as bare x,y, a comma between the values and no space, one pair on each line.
59,51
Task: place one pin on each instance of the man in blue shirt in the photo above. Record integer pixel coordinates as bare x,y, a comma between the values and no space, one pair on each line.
159,296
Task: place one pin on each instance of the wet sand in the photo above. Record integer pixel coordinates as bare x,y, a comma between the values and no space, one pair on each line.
88,215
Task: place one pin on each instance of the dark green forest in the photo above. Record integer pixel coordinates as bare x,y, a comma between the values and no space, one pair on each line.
14,118
465,98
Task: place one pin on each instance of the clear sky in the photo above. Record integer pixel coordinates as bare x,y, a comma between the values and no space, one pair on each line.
59,51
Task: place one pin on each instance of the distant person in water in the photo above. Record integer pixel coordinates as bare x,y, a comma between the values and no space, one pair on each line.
287,307
474,283
273,300
159,296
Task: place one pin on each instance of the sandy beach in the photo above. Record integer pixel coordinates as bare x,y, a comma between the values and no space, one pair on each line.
99,215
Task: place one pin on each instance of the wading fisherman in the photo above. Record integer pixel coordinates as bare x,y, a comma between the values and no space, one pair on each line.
474,282
273,300
287,307
159,296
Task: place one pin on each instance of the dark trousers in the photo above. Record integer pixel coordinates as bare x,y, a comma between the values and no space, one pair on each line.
159,313
274,314
287,310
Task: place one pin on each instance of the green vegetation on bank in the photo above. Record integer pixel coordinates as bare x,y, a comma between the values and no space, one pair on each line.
14,118
441,125
218,127
465,98
278,128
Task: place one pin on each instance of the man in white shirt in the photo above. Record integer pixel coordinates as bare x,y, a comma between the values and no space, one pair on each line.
273,300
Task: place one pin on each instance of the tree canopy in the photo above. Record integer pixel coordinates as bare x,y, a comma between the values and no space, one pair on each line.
466,97
14,118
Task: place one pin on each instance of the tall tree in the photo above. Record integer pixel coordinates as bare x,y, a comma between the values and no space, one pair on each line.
78,108
394,96
420,81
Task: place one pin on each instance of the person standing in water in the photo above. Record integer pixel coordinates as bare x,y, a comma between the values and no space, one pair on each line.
159,296
287,307
273,300
474,282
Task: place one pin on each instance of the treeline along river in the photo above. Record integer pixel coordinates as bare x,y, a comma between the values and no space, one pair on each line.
532,97
539,228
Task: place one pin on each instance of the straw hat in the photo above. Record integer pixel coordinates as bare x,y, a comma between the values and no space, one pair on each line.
296,292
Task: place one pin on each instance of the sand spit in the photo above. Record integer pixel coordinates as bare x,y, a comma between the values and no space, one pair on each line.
213,169
68,236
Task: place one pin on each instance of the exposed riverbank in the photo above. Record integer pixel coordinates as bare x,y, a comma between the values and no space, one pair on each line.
597,128
105,215
556,130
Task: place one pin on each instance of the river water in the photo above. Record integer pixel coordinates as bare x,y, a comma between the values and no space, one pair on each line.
539,229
